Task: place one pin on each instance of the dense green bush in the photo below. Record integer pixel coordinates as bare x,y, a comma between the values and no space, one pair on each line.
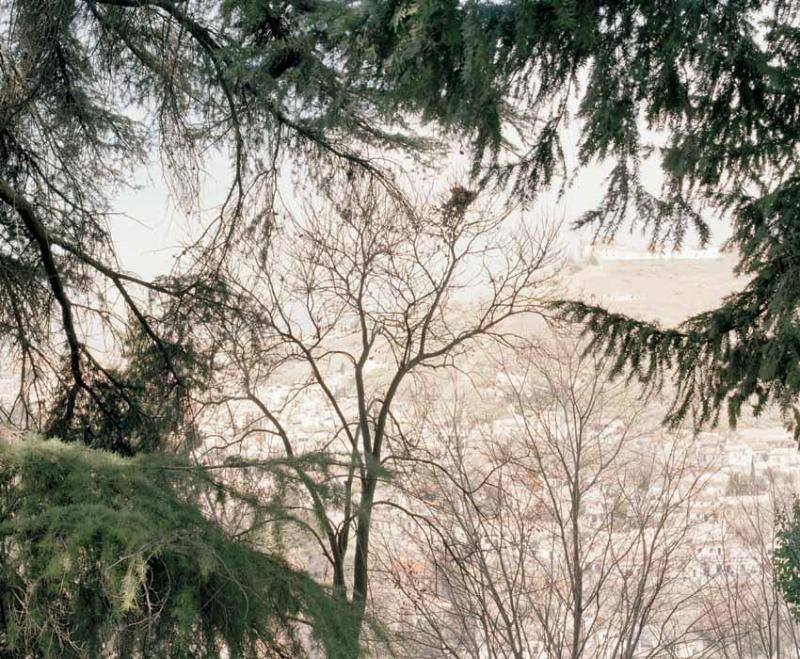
106,555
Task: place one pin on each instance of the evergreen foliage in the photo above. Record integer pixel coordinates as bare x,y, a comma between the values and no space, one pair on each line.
103,555
786,558
718,79
92,89
143,405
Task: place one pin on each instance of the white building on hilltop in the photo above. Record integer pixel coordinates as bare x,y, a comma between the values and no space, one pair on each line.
612,252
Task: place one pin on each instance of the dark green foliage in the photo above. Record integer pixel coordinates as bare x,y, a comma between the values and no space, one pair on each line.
786,559
631,53
748,350
720,80
92,89
143,406
103,554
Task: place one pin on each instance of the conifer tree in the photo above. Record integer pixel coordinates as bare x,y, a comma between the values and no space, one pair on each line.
719,80
91,89
102,555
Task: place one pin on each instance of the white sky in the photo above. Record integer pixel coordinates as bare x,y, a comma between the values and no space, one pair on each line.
150,228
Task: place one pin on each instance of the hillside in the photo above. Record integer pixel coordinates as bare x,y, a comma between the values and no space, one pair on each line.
663,290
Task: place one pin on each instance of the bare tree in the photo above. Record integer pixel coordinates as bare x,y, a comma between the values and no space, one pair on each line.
560,531
352,300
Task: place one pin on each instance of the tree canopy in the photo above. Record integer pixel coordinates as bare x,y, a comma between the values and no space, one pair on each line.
717,81
90,90
106,82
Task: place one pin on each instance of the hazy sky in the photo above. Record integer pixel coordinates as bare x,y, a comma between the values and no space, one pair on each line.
151,228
